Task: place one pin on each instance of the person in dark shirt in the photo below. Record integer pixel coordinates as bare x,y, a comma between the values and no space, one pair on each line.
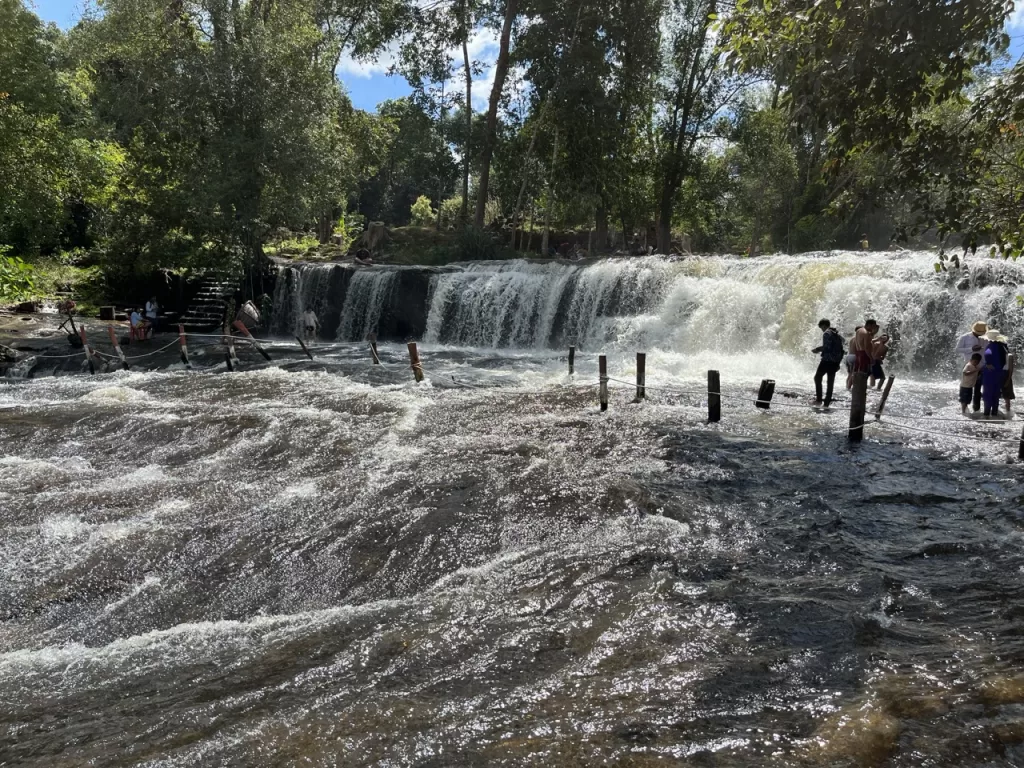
832,352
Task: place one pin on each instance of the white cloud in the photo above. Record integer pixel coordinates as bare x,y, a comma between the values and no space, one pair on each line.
367,68
1016,20
482,47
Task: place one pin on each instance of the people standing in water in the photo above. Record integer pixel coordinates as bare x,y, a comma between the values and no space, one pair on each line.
879,349
993,373
831,350
310,324
968,380
971,343
864,347
1008,393
851,357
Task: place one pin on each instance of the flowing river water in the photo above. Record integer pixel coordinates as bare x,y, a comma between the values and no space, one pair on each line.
323,563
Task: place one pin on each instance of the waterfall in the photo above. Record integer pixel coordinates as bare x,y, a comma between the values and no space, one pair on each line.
369,294
680,306
299,289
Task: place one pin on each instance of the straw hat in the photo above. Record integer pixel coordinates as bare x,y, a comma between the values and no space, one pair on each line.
979,328
993,334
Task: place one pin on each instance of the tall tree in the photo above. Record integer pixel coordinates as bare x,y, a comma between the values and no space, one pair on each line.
490,132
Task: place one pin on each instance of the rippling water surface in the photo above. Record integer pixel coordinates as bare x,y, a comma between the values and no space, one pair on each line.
321,563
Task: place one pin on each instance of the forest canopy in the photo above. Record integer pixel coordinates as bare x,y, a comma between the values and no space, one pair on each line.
193,133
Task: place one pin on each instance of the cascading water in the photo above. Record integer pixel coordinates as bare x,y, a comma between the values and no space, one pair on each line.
369,294
297,291
726,306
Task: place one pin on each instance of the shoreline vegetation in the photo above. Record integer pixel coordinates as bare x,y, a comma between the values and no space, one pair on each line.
208,138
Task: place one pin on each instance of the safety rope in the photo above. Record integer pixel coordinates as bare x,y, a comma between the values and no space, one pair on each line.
895,425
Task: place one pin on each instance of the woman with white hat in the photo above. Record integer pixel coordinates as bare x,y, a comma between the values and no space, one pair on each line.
971,343
993,374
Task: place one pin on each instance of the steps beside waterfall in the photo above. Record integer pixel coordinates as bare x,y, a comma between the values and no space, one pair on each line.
207,308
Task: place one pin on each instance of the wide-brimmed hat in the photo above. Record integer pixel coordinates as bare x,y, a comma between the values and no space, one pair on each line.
993,334
1002,339
979,327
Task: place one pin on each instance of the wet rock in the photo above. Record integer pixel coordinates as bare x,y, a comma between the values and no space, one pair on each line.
861,734
637,732
1002,690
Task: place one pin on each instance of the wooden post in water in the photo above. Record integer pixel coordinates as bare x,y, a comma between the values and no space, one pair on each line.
245,332
602,372
714,397
184,346
641,376
765,394
572,360
88,352
885,396
304,347
858,404
1020,451
229,354
372,338
117,346
414,360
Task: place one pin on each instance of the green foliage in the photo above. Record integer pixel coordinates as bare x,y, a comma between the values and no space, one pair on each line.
451,211
474,244
17,279
422,214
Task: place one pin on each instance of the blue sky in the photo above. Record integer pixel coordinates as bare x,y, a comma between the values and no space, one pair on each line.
368,83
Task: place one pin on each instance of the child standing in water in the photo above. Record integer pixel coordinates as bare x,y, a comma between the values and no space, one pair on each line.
968,381
879,349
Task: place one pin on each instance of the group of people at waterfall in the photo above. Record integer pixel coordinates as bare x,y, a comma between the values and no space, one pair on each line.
987,375
862,354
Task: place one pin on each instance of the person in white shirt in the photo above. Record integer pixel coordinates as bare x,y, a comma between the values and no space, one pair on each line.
970,344
152,312
310,325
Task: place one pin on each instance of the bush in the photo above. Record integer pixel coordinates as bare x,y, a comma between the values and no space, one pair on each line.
451,209
477,245
17,279
422,214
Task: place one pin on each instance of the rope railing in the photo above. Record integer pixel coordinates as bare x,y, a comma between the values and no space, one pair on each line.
713,394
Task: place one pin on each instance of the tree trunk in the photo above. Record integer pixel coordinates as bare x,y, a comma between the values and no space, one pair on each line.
467,147
665,217
500,72
601,225
547,195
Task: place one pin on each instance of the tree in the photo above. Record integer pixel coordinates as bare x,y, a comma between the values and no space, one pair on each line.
870,75
231,119
490,134
764,166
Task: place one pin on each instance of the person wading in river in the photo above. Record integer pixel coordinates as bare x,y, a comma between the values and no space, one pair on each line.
879,349
864,347
832,354
993,372
851,357
310,325
971,343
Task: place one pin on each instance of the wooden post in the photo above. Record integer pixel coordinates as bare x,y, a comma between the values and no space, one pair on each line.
372,338
245,331
602,370
641,376
414,360
714,397
184,346
1020,451
303,345
885,396
117,346
572,360
858,403
88,352
765,394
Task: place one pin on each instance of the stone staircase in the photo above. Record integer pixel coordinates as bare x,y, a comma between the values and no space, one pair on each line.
206,311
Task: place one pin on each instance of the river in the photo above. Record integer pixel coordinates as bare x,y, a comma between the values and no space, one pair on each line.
323,563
